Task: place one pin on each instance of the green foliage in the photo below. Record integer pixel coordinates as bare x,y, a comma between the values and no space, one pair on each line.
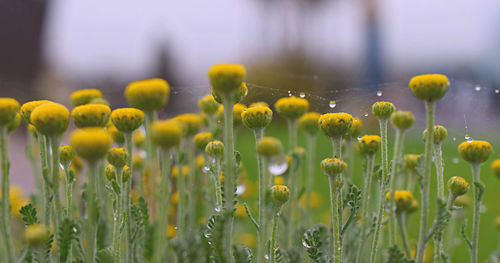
140,223
68,231
242,254
395,255
313,241
104,255
353,201
28,213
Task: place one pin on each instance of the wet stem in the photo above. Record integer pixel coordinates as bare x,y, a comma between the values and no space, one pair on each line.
217,186
228,171
69,202
337,153
164,200
440,193
274,235
334,219
292,143
424,211
365,211
44,158
7,236
398,146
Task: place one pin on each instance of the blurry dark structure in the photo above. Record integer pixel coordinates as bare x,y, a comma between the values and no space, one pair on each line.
373,66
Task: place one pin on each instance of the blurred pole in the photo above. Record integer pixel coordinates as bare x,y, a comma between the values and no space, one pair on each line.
373,59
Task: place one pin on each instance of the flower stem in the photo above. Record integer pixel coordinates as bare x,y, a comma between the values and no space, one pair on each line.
117,217
44,159
376,237
411,181
126,195
228,171
182,198
394,173
91,231
68,187
54,141
439,170
365,211
311,146
404,234
9,246
161,252
192,189
217,185
477,206
424,211
334,219
337,153
262,237
274,235
292,144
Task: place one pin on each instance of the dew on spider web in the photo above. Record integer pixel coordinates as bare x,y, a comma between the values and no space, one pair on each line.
278,165
497,91
302,94
332,104
477,88
379,93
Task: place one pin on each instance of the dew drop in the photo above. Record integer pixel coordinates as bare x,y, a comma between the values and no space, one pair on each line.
455,160
477,88
359,138
332,104
302,94
206,169
366,115
304,243
278,165
266,256
74,229
497,91
468,138
379,93
454,138
240,189
217,209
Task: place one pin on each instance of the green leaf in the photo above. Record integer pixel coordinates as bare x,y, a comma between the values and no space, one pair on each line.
68,231
28,213
397,256
313,243
242,254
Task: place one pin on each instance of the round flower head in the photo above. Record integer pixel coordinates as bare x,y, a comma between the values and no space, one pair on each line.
118,157
335,124
208,105
8,109
76,165
309,122
28,107
257,117
90,143
50,119
495,167
333,166
402,120
126,173
191,123
166,134
84,96
110,172
440,134
475,151
357,124
269,147
280,194
202,139
138,162
139,139
175,171
148,95
236,96
127,119
429,87
369,144
291,107
226,78
458,186
259,103
411,161
102,101
404,200
238,109
115,134
200,161
215,149
383,110
14,123
66,155
91,115
36,235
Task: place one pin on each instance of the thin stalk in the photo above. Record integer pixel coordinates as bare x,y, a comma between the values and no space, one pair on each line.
337,153
424,211
54,141
477,206
126,195
311,147
292,173
392,202
385,173
376,237
30,154
217,185
44,159
439,170
404,234
192,189
91,232
370,163
182,199
117,217
9,246
229,171
258,134
274,235
68,188
161,252
334,219
411,181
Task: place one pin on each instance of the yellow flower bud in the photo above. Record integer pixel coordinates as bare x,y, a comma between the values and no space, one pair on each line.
226,78
458,186
236,96
202,139
257,117
280,194
269,147
208,105
76,165
50,119
137,162
8,109
259,103
171,231
411,161
475,151
91,115
404,200
191,123
495,167
357,124
215,149
335,124
238,109
440,134
383,109
402,120
148,95
84,96
66,155
139,139
90,143
126,173
102,101
110,172
166,134
115,134
118,157
309,122
369,144
291,107
333,166
127,119
14,123
28,107
175,171
429,87
36,235
200,161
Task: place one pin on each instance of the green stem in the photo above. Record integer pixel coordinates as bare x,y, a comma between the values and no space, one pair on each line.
229,171
9,247
69,202
117,218
274,235
217,185
54,141
126,195
411,181
161,252
334,219
30,154
394,174
424,211
182,198
438,155
44,159
376,237
404,235
192,189
292,173
477,206
311,147
337,153
365,211
258,134
91,232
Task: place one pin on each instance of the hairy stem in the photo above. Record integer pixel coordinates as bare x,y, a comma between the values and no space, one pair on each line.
161,252
262,238
7,236
311,147
182,198
292,137
376,237
334,219
337,153
274,236
404,234
54,141
91,232
126,196
477,206
117,217
365,211
228,171
439,170
192,189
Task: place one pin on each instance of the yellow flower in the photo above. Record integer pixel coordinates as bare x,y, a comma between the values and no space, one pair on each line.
17,199
411,161
202,139
497,222
309,122
8,109
440,134
238,109
84,96
357,124
236,96
458,186
110,172
269,147
175,171
36,235
240,211
115,134
102,101
90,143
279,180
280,194
335,124
139,139
66,155
166,134
475,151
315,202
215,149
118,157
171,231
200,161
50,119
127,119
148,95
246,239
257,117
291,107
208,105
28,107
191,123
91,115
495,167
429,87
333,166
14,123
383,109
226,78
404,200
369,144
402,120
